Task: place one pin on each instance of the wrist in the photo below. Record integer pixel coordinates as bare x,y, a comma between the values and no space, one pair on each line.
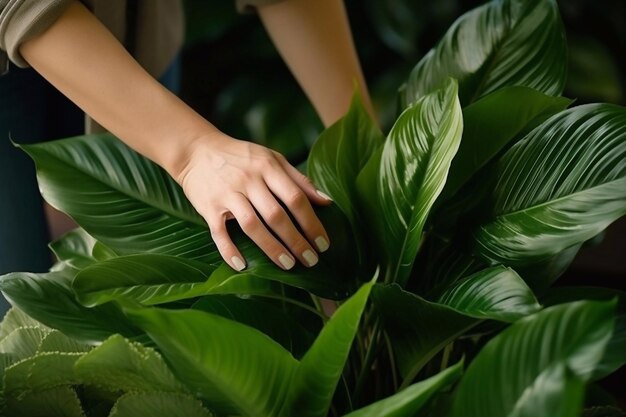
194,147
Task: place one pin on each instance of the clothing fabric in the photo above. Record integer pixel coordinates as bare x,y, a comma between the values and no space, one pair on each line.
157,27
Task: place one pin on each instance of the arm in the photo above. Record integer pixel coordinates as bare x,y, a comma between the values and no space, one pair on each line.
223,177
314,39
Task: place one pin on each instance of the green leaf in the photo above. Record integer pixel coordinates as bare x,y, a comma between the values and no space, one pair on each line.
74,249
14,319
528,381
118,364
263,316
150,404
419,329
55,341
33,293
561,185
235,369
338,156
22,342
56,402
318,373
493,293
491,123
412,170
120,198
502,43
410,400
145,278
41,372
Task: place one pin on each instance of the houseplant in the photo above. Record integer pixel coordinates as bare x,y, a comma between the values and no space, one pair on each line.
453,226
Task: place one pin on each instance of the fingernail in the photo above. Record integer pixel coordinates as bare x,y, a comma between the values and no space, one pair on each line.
324,195
310,257
238,263
321,243
286,261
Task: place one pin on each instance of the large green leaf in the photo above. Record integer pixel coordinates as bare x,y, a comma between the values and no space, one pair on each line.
408,402
338,156
55,402
401,183
318,373
494,293
262,315
150,404
491,123
49,299
419,329
559,186
502,43
120,365
236,369
539,360
120,197
145,278
74,249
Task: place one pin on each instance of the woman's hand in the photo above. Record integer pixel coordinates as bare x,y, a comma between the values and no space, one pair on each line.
226,178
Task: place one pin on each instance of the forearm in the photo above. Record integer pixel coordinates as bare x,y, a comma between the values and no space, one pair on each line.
315,41
82,59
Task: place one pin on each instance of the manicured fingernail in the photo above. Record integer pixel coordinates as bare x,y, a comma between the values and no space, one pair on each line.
286,261
238,263
324,195
310,258
321,243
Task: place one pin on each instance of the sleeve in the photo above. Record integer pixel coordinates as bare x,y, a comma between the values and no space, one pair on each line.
249,6
21,20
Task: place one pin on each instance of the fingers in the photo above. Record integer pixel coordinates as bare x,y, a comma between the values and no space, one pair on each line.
302,181
297,202
254,228
225,245
279,222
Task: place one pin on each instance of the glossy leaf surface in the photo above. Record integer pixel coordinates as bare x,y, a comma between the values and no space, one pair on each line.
559,186
526,380
234,368
400,184
119,197
318,373
502,43
494,121
419,328
408,402
33,293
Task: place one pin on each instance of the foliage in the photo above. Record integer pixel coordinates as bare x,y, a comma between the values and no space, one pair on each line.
457,222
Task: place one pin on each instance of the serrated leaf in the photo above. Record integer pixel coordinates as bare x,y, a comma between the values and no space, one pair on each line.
55,341
150,404
118,364
16,318
56,402
22,342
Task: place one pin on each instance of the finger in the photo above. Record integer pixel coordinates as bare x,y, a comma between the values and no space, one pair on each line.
252,226
305,184
279,222
223,242
299,206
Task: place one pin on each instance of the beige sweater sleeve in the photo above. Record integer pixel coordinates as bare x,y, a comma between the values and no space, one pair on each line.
21,20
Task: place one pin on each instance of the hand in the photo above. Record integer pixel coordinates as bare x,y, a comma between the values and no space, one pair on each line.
226,178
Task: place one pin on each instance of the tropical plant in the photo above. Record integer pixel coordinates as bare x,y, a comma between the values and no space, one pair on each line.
456,223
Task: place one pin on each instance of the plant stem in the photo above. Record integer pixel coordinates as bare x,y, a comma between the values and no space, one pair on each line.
299,304
370,356
445,358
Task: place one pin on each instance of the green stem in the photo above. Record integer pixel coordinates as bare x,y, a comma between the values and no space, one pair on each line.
370,356
299,304
445,358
